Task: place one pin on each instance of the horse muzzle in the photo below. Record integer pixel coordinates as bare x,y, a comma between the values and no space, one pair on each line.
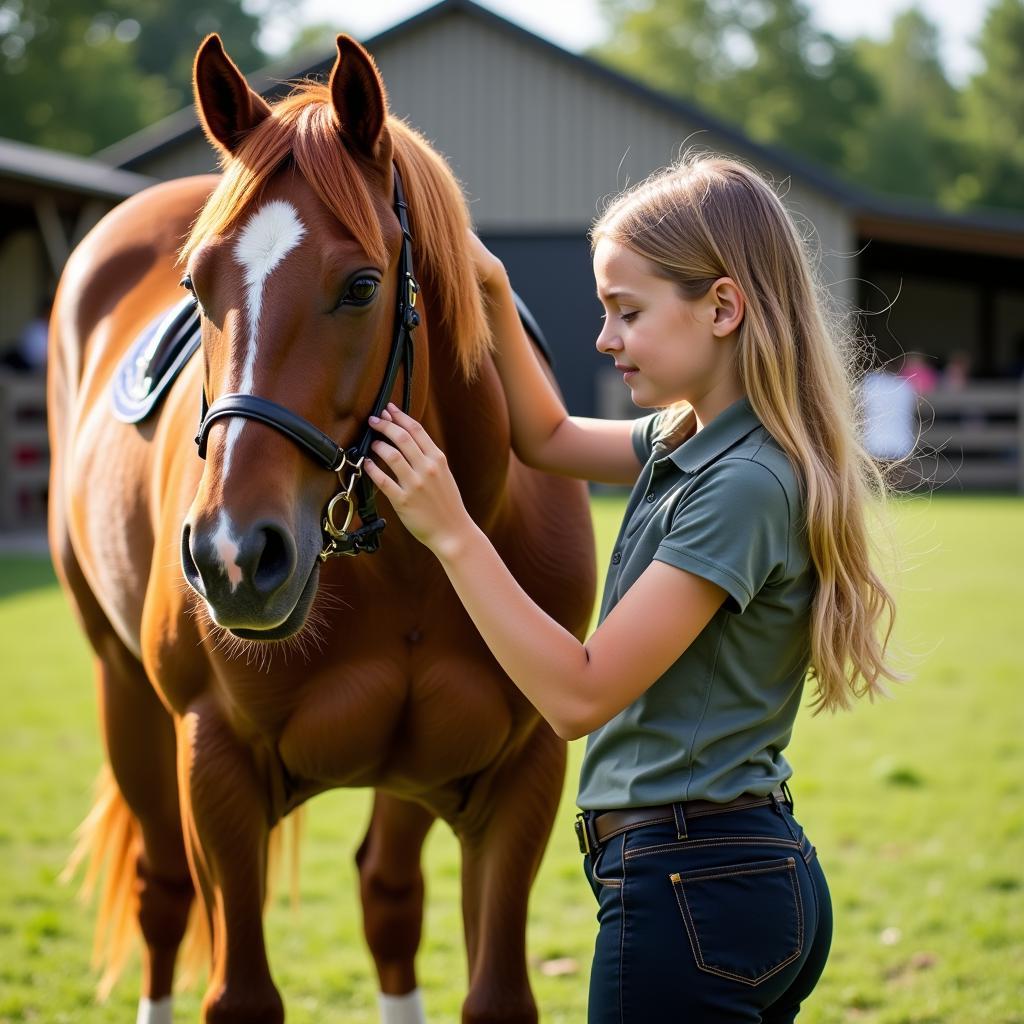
252,580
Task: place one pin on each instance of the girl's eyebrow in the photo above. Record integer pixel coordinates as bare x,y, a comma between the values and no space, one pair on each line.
615,293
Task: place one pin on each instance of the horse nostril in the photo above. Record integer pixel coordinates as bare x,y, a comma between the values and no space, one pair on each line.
275,563
188,562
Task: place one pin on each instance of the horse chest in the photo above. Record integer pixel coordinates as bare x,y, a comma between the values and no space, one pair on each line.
409,721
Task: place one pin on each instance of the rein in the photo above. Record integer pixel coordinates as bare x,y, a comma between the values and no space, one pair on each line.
357,493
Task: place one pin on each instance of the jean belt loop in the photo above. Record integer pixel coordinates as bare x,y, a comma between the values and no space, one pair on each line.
680,818
787,794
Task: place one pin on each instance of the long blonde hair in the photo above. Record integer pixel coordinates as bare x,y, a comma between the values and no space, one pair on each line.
708,217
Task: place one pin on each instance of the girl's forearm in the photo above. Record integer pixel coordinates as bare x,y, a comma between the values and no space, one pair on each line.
545,661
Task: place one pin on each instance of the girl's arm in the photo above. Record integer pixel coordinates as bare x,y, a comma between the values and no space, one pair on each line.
576,687
543,434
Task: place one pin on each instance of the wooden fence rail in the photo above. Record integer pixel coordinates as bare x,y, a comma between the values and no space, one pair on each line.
24,451
971,439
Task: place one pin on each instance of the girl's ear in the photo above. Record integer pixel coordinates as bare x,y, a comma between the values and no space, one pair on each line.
729,305
228,109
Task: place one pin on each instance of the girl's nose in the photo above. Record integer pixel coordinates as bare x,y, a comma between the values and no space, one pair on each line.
608,340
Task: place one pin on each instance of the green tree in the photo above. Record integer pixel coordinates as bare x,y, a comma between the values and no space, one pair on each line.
762,64
78,77
909,144
993,113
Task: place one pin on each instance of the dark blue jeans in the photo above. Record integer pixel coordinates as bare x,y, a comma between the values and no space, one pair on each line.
730,924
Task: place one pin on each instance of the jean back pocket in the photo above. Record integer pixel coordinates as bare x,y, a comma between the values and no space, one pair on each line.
744,921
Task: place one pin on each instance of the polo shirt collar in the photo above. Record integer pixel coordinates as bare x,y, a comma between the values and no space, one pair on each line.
728,428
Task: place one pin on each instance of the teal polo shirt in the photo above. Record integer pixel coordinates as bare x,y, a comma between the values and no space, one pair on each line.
724,505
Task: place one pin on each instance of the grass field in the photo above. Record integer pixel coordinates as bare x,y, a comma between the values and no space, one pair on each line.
916,806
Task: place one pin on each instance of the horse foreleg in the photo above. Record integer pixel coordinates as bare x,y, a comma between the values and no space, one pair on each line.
391,888
503,837
228,809
139,736
136,822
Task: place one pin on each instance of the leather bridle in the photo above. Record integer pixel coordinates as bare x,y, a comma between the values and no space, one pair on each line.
357,493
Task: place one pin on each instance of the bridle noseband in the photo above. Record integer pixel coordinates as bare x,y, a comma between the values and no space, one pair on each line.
357,492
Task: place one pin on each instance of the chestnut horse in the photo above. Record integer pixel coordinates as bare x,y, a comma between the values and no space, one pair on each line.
232,687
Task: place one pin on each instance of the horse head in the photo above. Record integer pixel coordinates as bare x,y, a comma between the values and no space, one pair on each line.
299,264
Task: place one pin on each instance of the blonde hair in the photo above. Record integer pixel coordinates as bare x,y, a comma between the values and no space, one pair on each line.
708,217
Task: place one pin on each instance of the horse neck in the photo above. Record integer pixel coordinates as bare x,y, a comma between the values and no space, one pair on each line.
469,419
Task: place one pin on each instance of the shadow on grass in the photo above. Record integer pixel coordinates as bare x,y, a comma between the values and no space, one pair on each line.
21,573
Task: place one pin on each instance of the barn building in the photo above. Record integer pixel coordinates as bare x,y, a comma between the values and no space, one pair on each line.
48,201
541,137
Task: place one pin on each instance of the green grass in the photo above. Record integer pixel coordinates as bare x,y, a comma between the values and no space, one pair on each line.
916,805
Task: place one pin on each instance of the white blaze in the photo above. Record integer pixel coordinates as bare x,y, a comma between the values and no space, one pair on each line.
268,236
402,1009
226,546
154,1013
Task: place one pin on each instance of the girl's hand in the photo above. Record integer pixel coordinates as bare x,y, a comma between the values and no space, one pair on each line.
422,491
489,269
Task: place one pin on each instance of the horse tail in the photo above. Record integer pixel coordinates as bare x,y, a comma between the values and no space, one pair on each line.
109,841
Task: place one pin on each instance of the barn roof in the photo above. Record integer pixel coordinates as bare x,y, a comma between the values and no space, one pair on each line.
897,218
83,176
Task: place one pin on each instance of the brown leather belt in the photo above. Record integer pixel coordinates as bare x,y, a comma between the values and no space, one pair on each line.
611,823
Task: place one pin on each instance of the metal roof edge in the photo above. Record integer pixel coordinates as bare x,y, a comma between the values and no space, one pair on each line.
88,176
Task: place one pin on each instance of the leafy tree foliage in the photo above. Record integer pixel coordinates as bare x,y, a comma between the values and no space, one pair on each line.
881,113
760,63
993,112
909,144
77,76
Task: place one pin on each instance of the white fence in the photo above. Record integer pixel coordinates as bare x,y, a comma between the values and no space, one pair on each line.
24,451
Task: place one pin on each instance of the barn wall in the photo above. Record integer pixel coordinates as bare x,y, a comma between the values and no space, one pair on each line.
23,270
540,144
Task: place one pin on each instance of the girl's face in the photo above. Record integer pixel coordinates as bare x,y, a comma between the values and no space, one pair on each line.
668,348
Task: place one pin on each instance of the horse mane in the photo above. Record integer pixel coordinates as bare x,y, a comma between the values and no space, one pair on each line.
304,129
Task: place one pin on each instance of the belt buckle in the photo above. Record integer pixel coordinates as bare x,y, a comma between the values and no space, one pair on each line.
582,835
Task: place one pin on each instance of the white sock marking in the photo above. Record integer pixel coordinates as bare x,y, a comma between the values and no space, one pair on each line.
268,236
154,1013
402,1009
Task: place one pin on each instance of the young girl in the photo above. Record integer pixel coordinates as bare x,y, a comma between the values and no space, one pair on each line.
741,568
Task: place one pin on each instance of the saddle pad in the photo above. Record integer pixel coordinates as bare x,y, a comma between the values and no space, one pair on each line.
154,360
160,352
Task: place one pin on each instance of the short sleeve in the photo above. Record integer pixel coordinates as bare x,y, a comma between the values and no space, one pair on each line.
644,431
731,528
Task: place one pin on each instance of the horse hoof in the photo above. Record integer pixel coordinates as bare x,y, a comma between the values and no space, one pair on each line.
244,1006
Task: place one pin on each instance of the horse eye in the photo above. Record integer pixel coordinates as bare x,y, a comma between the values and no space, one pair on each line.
362,290
186,283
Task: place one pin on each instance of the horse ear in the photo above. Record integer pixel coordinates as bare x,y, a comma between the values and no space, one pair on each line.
228,109
359,97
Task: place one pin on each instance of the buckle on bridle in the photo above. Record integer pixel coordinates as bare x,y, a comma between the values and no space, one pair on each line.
344,497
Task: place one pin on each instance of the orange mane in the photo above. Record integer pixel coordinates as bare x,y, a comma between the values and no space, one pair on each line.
304,128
